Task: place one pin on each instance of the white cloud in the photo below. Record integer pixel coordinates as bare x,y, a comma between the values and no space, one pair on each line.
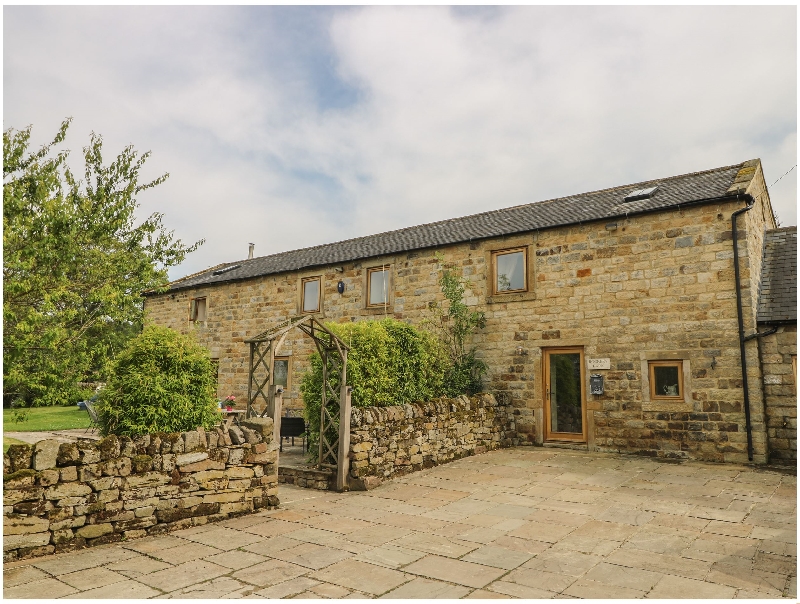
452,114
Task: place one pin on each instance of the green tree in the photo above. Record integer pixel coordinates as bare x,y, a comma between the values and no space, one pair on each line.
75,262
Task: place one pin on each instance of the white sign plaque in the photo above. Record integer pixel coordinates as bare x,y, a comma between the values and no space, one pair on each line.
599,363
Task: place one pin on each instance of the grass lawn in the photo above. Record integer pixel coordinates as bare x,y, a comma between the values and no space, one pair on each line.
47,418
7,442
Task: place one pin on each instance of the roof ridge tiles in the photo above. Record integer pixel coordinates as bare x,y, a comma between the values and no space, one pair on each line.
490,212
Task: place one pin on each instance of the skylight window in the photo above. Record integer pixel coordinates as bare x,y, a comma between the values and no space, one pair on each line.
641,194
227,269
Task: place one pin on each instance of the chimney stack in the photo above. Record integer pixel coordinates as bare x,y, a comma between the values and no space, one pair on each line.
250,252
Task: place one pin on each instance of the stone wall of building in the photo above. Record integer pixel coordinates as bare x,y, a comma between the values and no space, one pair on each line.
779,365
386,442
63,496
753,225
639,288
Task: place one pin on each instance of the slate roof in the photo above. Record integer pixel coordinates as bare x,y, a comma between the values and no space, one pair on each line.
598,205
777,302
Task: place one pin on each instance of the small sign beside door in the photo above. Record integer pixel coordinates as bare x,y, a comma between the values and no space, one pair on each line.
599,363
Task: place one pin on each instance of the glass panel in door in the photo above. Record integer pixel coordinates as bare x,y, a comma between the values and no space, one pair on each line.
564,396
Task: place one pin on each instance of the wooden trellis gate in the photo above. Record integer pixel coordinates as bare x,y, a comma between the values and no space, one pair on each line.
334,436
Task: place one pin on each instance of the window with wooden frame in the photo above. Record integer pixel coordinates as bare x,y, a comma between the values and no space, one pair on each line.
510,271
666,380
197,309
281,372
310,288
378,286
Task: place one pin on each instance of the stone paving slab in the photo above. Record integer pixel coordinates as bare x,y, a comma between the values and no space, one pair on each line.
362,576
519,523
455,571
312,555
64,436
92,578
183,575
41,589
390,556
426,589
500,557
128,590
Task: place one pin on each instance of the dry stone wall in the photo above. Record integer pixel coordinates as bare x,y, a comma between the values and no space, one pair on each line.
63,496
308,477
386,442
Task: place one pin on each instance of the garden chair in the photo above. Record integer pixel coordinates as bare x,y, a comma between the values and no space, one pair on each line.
82,404
94,421
291,427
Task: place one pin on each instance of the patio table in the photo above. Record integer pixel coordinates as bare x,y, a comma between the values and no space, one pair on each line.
230,416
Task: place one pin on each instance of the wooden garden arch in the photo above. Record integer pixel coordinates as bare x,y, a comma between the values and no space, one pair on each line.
334,438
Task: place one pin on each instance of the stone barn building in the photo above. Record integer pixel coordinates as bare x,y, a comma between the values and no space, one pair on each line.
615,320
777,311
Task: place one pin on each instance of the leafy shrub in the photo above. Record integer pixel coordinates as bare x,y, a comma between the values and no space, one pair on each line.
162,382
50,394
465,375
19,412
389,363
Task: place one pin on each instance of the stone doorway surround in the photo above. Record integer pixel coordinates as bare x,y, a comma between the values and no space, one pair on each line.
522,522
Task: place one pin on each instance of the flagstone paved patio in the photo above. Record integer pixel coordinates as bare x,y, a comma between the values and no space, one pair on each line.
518,523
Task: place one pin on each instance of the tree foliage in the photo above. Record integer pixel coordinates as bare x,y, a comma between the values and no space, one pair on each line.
163,381
454,323
75,263
389,363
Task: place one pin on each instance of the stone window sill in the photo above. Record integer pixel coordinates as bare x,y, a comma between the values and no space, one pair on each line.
378,310
503,298
668,406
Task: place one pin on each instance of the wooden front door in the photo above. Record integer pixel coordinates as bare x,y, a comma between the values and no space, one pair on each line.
565,399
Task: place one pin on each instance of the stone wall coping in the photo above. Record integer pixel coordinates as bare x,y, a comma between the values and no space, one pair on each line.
367,415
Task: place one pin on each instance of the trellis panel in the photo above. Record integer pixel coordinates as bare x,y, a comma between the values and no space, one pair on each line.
334,441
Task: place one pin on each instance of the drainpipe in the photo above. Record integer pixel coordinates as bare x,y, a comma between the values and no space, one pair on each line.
742,338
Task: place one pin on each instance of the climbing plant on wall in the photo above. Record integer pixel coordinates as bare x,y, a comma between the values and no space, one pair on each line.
455,322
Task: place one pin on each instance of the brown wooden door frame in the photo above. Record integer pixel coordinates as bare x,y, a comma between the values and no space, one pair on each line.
562,436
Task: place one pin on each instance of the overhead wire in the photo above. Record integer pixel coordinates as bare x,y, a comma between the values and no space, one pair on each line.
785,173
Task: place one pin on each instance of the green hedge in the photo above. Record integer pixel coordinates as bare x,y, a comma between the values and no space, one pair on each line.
389,363
162,382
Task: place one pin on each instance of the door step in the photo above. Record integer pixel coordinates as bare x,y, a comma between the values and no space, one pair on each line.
564,445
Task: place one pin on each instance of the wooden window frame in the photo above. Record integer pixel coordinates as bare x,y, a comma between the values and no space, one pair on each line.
288,359
374,269
526,286
193,309
303,282
651,367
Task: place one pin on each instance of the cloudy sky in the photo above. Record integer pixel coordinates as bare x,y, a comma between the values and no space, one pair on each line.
290,127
